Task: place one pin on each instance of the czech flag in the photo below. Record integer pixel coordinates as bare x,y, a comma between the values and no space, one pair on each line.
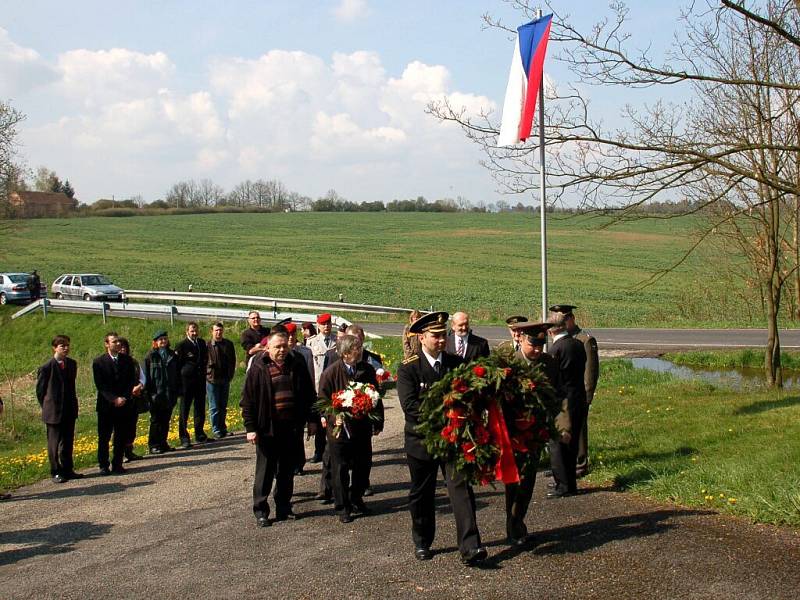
527,66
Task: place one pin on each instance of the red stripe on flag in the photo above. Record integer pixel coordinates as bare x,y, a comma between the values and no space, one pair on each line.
532,92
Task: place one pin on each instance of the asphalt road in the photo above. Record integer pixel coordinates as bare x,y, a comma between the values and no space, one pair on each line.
180,526
651,340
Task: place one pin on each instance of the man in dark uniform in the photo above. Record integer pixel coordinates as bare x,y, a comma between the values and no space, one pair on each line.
513,331
114,377
192,362
571,359
532,338
462,342
417,373
590,377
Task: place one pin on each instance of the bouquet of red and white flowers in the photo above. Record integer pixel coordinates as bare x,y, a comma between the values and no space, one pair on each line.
357,401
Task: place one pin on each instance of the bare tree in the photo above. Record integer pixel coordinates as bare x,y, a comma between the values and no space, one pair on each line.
10,173
732,147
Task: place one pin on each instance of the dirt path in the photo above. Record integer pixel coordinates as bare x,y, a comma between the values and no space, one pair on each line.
180,526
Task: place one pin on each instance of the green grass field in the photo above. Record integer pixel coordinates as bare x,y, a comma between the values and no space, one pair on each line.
487,264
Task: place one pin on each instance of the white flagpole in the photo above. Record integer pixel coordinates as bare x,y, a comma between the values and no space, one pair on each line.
542,205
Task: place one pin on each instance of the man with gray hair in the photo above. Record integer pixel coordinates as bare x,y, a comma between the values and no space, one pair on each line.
571,359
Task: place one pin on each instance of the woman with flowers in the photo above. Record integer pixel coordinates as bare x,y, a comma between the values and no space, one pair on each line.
350,411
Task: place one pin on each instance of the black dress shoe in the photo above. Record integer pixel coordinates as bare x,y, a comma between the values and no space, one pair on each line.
474,556
423,553
119,470
518,541
557,493
74,475
299,472
59,478
156,451
288,516
263,522
315,459
345,518
186,445
368,492
360,508
168,449
203,440
105,471
131,456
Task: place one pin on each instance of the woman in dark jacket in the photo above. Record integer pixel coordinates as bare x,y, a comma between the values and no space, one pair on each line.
351,449
164,387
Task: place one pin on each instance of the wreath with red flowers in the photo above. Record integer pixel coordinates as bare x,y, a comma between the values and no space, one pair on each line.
481,412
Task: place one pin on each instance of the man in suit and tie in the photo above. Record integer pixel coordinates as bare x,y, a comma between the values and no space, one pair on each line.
192,354
416,375
571,359
590,376
55,391
462,342
114,377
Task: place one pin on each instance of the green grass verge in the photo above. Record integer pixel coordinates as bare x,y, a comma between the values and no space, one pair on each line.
740,359
694,445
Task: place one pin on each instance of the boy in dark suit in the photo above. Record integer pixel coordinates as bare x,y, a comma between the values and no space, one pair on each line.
55,391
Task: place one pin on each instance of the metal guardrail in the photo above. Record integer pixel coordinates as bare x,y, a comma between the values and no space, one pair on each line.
273,303
163,311
159,311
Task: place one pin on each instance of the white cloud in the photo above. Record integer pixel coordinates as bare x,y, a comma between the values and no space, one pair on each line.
121,124
99,77
21,69
348,11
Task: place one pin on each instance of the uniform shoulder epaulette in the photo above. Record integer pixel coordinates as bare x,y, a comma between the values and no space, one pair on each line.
411,359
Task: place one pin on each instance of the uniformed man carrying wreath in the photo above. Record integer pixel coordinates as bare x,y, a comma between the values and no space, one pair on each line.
417,373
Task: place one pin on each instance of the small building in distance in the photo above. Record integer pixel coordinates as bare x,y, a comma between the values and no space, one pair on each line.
40,204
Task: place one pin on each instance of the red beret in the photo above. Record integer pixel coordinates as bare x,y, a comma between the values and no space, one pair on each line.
291,328
323,318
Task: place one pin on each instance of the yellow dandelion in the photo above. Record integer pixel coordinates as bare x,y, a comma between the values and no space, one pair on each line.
732,500
721,495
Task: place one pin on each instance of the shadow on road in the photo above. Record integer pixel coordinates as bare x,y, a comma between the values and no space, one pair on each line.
80,490
594,534
56,539
182,464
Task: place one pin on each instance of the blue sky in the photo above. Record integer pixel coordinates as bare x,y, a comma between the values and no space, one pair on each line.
126,98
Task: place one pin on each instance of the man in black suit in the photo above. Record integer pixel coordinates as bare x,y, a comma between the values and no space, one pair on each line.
417,373
462,342
55,391
192,354
114,377
571,359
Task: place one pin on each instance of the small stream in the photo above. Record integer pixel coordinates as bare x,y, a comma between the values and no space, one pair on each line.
740,379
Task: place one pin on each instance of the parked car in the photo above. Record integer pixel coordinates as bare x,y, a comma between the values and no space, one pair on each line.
86,286
14,288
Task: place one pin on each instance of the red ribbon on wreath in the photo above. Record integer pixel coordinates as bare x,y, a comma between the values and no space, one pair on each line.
506,468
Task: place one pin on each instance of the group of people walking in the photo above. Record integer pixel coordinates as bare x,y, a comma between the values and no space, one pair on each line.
284,380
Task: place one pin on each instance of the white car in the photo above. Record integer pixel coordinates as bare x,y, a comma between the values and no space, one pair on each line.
86,286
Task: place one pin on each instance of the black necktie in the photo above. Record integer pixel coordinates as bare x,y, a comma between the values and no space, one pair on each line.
437,366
